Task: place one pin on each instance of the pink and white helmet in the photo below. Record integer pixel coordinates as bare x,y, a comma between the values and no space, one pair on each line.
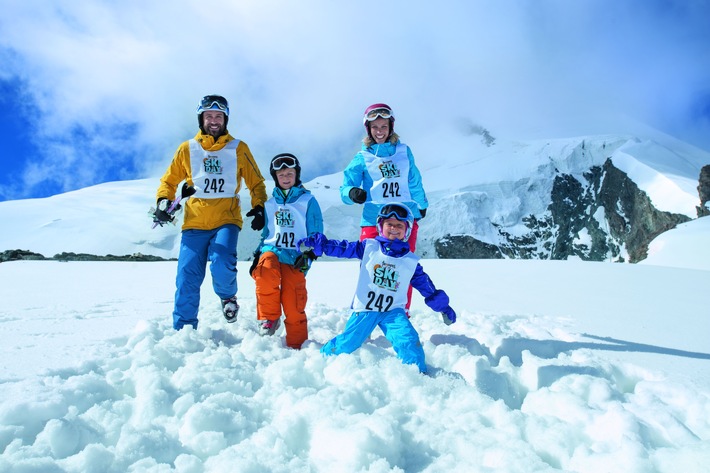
375,111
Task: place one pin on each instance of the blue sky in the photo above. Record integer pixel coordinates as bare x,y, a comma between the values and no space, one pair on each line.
102,91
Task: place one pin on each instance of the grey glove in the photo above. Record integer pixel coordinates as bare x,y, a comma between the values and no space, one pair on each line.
449,316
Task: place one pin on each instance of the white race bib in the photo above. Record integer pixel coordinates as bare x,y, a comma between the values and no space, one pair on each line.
214,173
384,280
390,176
286,222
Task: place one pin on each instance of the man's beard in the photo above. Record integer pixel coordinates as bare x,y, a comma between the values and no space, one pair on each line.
218,132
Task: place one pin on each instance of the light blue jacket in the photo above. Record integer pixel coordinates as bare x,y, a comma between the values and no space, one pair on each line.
314,222
356,175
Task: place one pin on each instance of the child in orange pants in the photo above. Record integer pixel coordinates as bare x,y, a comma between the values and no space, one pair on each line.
279,268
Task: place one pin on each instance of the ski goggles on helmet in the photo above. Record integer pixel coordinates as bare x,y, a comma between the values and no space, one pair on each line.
378,113
399,212
213,102
283,161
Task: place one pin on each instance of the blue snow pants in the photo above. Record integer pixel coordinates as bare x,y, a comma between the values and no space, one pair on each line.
394,324
219,246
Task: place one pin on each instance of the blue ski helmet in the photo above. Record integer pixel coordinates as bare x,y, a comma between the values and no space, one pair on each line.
399,211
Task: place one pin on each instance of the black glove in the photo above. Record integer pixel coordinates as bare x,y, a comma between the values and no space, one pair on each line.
257,255
257,223
357,195
301,261
161,214
423,212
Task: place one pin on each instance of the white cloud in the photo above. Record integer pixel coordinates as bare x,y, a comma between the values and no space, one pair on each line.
299,74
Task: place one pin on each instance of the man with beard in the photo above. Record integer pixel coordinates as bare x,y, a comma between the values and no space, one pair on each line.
214,163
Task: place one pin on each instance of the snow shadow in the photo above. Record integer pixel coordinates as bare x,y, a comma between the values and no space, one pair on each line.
512,390
493,377
513,348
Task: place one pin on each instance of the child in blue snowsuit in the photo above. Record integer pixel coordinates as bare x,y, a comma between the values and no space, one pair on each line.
388,268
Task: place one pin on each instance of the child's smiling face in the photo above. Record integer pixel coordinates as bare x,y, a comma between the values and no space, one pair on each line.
393,229
286,178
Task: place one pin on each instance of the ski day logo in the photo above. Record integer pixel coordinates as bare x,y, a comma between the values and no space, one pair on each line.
389,170
386,276
284,218
212,165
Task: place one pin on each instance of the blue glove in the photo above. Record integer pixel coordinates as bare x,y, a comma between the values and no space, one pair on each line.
449,316
316,243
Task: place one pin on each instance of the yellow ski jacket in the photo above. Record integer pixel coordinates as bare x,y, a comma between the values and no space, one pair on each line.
208,214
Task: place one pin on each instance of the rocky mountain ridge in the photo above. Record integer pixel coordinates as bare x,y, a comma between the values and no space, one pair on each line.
604,217
578,204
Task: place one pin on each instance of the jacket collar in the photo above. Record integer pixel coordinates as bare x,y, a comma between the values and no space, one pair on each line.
380,150
210,143
291,196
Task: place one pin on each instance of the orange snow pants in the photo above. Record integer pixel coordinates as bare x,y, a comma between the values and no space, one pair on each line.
371,232
281,285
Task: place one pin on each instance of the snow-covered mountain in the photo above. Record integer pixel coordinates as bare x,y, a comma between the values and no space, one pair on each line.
536,196
542,199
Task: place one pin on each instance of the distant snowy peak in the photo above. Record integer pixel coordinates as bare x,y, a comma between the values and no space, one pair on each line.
668,175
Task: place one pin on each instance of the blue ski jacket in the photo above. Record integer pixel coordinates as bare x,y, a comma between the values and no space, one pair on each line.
314,222
436,299
355,175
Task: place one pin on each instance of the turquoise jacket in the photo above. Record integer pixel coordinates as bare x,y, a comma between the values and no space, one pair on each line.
314,222
355,175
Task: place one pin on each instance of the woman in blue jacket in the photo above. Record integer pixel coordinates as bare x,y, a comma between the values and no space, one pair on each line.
383,172
388,267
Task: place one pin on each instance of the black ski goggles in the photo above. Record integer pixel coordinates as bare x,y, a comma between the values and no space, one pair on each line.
210,102
396,211
283,161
